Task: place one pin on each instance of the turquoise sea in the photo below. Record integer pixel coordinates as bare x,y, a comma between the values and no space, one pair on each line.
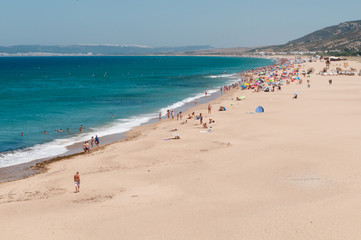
106,95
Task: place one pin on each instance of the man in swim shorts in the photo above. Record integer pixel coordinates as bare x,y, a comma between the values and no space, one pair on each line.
77,181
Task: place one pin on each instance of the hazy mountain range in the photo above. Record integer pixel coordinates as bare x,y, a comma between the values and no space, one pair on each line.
344,39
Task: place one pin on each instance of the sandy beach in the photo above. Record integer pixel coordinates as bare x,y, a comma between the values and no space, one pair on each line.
292,172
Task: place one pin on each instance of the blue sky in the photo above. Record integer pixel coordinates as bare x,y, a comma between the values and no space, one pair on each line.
227,23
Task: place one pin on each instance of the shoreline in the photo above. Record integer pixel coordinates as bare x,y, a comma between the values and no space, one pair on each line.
272,175
37,166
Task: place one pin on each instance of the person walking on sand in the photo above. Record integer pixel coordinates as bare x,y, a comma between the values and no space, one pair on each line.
96,140
209,108
201,118
77,182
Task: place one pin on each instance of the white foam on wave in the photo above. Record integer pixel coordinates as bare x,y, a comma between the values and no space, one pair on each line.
38,151
223,75
59,146
185,101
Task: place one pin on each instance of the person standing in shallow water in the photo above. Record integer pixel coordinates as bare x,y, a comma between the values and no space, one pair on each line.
92,141
96,140
77,182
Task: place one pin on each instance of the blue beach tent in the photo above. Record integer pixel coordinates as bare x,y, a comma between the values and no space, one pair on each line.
259,109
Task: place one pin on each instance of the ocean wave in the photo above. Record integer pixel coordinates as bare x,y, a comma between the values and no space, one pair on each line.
60,146
185,101
223,75
38,151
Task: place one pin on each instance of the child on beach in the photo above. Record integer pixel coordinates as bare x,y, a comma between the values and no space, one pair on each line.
86,147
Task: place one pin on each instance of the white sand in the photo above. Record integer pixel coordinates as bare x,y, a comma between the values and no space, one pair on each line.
293,172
